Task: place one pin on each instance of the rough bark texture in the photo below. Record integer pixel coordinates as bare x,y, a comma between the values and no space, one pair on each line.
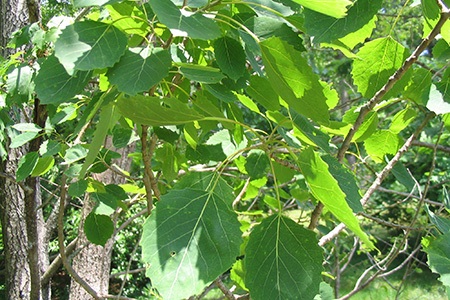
23,227
93,263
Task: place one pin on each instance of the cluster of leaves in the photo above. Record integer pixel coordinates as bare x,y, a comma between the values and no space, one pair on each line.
199,73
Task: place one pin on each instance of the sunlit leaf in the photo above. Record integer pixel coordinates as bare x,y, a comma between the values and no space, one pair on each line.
381,143
333,8
293,79
43,165
282,261
325,28
183,22
326,189
378,60
190,239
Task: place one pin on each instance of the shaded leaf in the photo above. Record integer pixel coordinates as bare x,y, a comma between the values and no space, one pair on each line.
89,45
203,74
439,257
77,188
138,72
257,164
54,85
403,176
23,138
190,239
230,57
155,111
261,91
26,165
310,134
98,228
282,260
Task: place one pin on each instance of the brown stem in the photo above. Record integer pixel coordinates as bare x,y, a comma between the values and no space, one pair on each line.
369,106
376,184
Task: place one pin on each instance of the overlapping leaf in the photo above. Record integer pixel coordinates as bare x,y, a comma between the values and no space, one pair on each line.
282,261
333,8
327,29
439,257
203,74
293,79
184,23
54,85
149,111
89,45
189,240
379,59
326,189
230,57
138,72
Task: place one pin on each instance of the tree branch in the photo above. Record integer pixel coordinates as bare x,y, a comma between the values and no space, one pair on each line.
387,169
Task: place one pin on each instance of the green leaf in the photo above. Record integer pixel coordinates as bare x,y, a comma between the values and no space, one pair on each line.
43,165
101,130
402,119
256,164
326,189
77,188
379,59
293,79
26,165
166,154
439,257
190,239
333,8
184,23
261,91
122,137
381,143
346,181
83,3
309,133
129,18
403,176
49,148
106,203
98,228
443,224
20,81
368,127
282,261
431,12
139,71
149,111
54,85
327,29
74,154
202,74
230,57
89,45
205,153
419,88
23,138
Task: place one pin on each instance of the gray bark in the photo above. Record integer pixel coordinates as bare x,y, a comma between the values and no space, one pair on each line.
93,263
26,256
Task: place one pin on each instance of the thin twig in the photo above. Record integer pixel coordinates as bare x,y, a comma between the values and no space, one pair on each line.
383,174
228,294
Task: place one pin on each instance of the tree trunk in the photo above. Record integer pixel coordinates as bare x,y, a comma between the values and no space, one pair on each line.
26,256
93,263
